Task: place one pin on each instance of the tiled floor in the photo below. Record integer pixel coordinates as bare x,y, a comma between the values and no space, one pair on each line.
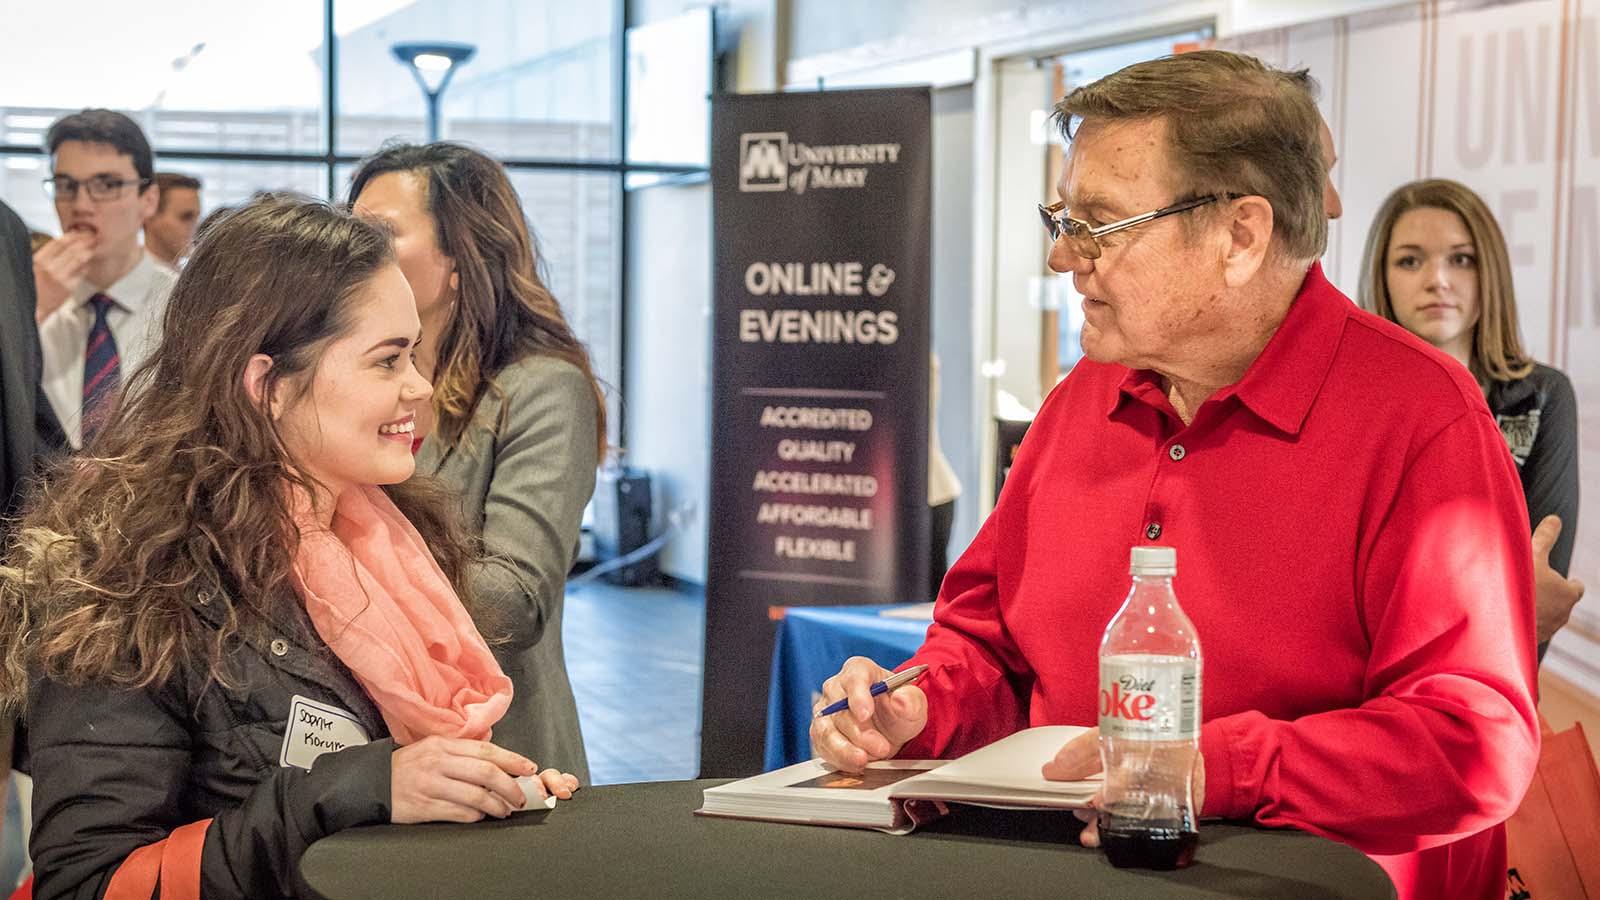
634,656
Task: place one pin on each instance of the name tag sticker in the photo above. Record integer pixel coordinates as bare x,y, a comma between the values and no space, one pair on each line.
531,792
317,728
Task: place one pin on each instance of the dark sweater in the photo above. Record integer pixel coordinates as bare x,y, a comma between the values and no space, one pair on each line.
1538,417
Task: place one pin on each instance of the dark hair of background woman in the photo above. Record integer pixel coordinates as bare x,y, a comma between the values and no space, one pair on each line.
503,311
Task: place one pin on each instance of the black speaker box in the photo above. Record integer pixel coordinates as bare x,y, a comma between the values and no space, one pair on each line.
622,524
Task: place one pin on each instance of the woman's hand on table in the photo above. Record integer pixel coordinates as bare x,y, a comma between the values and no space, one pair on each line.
440,779
553,783
1079,758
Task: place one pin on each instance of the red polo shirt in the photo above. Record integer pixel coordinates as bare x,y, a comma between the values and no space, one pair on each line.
1353,550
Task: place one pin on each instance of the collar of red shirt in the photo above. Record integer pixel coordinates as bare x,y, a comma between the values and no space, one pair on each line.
1280,386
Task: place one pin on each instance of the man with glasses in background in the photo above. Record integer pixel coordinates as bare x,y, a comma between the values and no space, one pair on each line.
101,297
1354,558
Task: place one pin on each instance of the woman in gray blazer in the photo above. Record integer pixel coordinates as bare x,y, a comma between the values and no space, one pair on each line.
517,421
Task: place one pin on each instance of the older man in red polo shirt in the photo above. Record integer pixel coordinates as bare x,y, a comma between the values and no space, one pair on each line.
1352,542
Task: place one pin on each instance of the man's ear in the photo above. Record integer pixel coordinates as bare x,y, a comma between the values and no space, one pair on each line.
255,382
149,202
1249,222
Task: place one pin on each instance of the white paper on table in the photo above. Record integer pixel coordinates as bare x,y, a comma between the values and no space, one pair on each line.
917,612
531,792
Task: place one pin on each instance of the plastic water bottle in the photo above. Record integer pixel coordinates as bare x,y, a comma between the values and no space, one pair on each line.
1150,721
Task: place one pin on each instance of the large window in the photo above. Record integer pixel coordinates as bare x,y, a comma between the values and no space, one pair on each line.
538,84
241,94
197,75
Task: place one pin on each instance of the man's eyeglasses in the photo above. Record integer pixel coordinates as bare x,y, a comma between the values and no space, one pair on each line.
101,187
1082,238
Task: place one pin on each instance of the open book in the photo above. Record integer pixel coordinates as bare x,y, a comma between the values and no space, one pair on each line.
896,795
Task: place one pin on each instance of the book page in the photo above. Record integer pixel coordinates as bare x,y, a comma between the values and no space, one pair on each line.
1006,771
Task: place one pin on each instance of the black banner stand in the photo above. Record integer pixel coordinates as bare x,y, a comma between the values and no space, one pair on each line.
819,440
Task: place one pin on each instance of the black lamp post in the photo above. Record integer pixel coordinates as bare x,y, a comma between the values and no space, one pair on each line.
433,65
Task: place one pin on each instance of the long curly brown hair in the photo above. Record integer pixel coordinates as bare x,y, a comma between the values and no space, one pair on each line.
503,311
185,488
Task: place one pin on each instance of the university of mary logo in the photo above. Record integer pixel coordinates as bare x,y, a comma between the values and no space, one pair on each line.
761,161
769,161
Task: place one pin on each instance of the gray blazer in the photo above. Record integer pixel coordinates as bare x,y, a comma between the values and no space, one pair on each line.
525,468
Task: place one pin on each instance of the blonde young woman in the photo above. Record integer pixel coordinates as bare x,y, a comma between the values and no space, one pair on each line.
1436,264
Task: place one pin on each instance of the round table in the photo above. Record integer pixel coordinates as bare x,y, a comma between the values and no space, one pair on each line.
643,840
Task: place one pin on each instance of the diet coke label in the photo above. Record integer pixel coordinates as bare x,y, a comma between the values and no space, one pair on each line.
1153,698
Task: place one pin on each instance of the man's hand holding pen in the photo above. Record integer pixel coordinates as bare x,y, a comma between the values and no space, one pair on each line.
873,728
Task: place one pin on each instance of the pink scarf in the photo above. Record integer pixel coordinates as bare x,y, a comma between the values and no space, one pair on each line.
382,604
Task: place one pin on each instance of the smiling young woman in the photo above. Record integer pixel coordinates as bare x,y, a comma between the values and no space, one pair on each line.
1436,263
240,617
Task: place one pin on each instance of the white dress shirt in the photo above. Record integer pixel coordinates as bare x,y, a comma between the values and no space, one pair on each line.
135,319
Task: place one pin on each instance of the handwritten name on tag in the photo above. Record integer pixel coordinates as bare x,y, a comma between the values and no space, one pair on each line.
317,728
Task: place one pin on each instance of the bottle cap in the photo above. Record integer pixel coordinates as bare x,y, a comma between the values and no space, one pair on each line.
1154,561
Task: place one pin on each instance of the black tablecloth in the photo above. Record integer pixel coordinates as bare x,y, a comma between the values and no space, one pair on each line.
643,840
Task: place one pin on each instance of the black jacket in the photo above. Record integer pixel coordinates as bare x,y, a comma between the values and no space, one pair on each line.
27,423
1538,417
116,769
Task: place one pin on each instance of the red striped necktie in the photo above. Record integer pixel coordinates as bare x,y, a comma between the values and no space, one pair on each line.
102,369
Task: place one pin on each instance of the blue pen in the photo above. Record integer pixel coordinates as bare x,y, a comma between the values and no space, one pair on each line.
898,679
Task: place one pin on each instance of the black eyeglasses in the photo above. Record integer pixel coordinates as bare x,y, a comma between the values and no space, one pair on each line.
1082,238
64,189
